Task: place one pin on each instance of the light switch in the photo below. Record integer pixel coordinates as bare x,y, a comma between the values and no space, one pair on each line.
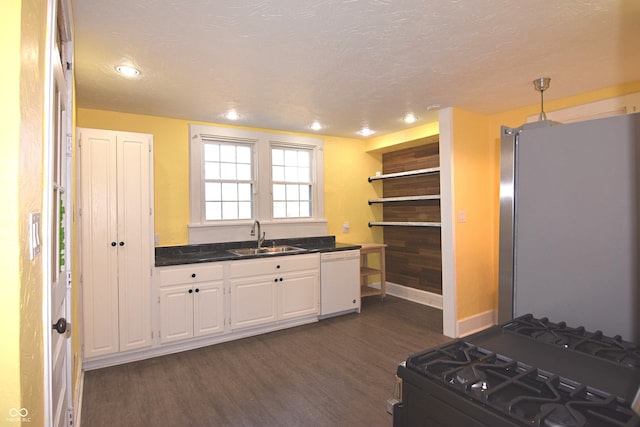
34,234
345,227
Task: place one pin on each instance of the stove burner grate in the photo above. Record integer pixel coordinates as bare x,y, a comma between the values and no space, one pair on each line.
519,391
597,344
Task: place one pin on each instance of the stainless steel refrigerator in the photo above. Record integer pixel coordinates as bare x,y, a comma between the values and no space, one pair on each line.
569,228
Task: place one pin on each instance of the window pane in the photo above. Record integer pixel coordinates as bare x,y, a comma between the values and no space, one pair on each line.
279,210
278,173
229,192
290,174
279,192
291,158
212,191
211,152
228,171
293,209
244,210
213,211
305,192
244,154
277,156
304,158
244,172
244,192
211,170
305,209
229,210
292,192
304,174
228,153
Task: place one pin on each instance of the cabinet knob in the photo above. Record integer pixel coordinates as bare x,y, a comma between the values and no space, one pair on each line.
278,266
281,279
190,291
275,280
121,243
197,290
193,275
113,243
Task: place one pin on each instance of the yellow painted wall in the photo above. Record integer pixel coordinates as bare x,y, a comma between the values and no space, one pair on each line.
22,30
475,194
10,249
346,169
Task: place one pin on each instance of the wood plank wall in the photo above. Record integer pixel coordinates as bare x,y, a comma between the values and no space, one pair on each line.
413,254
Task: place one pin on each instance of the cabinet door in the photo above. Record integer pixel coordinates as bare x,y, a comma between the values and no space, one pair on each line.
299,294
99,231
253,301
208,308
134,243
176,313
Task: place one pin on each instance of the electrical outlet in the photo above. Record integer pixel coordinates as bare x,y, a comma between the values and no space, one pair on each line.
156,239
345,227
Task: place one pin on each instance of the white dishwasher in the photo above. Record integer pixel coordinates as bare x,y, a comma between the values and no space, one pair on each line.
339,282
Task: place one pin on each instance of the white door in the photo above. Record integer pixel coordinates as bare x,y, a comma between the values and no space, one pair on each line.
298,295
208,308
99,242
57,201
134,239
176,313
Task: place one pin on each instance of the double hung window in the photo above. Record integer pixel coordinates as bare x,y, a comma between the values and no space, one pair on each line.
291,180
228,181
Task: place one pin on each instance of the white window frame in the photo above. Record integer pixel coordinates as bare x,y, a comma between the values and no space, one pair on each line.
203,231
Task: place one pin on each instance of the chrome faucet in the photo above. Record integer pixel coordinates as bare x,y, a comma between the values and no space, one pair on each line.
260,235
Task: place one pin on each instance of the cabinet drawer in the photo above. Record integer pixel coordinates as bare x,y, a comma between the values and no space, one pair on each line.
190,274
281,264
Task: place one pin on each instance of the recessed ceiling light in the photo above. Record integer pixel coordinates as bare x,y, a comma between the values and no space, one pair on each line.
365,131
231,115
316,125
127,70
409,118
432,107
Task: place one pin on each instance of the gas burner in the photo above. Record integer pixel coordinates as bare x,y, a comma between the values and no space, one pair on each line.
614,349
522,392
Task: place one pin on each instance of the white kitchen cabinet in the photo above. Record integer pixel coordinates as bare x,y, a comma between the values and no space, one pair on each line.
265,291
116,240
191,301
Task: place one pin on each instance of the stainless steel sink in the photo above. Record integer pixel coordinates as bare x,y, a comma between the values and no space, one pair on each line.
265,250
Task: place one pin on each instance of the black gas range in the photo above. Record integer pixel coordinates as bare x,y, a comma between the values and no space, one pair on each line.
527,372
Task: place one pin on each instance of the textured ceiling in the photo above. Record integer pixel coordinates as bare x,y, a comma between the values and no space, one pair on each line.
285,63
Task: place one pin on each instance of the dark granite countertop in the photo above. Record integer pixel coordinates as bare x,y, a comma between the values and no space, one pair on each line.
211,252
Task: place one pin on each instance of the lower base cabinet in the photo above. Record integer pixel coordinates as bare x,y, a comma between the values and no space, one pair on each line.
191,302
290,289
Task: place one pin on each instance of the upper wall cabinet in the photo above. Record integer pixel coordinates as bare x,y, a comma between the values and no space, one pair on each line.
117,240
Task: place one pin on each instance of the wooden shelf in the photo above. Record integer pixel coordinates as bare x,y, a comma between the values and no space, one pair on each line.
405,224
404,174
405,199
365,271
367,291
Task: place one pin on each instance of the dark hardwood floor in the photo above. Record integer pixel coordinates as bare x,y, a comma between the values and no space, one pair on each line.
337,372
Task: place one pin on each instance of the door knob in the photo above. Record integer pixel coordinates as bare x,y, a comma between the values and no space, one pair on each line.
60,326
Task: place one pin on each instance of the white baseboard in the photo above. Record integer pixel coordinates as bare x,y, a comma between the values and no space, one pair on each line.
77,395
412,294
476,323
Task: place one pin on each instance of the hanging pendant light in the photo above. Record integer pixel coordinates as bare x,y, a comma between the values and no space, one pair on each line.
541,85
